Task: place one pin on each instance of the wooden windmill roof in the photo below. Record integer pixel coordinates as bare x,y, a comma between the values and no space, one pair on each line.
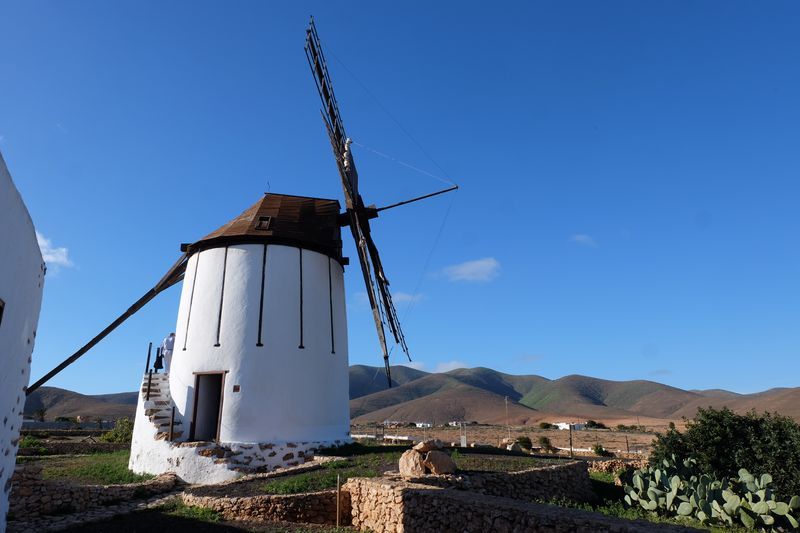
311,223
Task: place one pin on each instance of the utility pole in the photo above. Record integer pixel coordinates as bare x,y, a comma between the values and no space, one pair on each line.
571,453
508,425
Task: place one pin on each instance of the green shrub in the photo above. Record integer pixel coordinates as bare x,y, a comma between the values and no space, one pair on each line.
525,442
32,445
29,441
722,442
593,424
546,445
632,427
598,450
546,425
122,432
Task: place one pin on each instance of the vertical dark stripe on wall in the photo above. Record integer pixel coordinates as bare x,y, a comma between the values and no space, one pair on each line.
222,294
330,305
301,298
191,300
261,305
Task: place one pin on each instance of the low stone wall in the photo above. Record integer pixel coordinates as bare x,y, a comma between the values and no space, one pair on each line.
396,506
74,448
32,496
312,507
568,481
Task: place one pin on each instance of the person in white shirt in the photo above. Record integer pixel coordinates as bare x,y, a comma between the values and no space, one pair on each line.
166,350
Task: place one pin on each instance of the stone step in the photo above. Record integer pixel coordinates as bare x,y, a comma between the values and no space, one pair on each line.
164,435
156,404
165,427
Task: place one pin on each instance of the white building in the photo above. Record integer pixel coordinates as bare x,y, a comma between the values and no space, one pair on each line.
575,426
259,372
21,280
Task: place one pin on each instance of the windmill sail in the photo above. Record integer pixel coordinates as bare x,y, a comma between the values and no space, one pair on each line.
375,279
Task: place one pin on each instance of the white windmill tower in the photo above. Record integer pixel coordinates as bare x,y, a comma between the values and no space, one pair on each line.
21,280
259,372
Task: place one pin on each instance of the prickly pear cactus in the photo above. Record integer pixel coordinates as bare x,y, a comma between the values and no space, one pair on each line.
673,489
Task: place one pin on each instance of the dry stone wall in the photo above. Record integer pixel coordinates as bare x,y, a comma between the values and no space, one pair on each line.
312,507
32,496
569,481
396,506
74,448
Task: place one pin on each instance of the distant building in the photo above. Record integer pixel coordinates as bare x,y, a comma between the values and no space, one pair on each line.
423,424
566,425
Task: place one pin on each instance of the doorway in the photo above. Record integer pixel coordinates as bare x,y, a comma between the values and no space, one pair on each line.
208,389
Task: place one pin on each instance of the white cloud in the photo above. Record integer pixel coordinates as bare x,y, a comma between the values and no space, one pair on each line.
53,256
447,366
406,297
584,240
485,269
416,365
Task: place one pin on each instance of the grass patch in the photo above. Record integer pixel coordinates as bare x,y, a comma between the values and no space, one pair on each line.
356,448
177,508
373,461
498,463
96,469
370,465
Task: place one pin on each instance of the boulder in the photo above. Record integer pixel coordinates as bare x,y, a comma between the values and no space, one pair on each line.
515,447
411,464
439,463
428,445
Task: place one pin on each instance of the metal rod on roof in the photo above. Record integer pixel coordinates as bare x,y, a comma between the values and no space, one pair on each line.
398,204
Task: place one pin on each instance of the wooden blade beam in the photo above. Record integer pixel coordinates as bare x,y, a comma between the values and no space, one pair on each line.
357,215
173,276
330,107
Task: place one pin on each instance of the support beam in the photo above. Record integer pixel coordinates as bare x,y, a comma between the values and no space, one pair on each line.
173,276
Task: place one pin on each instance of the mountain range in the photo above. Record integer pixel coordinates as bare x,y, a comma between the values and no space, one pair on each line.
482,395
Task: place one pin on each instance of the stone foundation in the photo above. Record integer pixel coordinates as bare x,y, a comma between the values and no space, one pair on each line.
210,463
32,496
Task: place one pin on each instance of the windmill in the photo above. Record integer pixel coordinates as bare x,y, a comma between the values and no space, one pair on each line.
259,369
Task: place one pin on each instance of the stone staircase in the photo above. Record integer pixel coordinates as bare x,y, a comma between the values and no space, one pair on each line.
159,407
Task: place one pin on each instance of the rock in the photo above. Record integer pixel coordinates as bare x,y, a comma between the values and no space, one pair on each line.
428,445
411,464
439,463
515,447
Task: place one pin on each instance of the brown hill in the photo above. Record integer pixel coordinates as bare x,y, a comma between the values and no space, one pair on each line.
478,394
459,403
61,402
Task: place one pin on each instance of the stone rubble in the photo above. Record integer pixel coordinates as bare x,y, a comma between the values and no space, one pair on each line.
439,463
426,457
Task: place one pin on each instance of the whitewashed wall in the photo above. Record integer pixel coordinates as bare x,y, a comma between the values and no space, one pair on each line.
21,281
287,394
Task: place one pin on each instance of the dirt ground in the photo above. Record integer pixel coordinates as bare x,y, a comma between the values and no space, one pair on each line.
612,440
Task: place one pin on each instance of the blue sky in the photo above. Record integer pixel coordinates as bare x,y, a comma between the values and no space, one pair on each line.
628,171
